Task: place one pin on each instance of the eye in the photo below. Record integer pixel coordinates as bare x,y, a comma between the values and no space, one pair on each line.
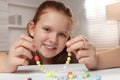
47,29
62,34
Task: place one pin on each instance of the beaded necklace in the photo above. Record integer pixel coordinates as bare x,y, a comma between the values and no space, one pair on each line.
50,73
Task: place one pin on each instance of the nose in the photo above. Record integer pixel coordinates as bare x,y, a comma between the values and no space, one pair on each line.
53,38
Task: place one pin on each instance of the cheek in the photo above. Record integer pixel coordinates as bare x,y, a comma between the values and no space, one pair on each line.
39,38
62,43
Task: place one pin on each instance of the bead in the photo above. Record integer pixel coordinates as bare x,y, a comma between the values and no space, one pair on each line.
49,74
67,62
98,77
38,62
41,68
86,75
68,59
29,78
70,75
69,54
36,58
63,77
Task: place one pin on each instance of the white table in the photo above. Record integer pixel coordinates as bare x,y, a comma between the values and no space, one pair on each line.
33,72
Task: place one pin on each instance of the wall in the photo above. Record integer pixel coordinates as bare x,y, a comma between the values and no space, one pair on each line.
3,25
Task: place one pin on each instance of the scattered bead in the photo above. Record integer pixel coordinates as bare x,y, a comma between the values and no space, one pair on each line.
64,77
86,75
70,75
29,79
98,77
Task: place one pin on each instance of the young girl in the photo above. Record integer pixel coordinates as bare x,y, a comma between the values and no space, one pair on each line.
49,38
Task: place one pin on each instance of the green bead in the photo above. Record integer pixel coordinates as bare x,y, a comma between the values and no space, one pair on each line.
49,74
86,75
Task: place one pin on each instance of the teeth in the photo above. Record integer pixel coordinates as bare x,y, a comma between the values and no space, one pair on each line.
49,46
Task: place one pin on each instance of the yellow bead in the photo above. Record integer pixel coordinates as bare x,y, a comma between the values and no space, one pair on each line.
41,68
70,76
69,54
49,74
67,62
38,62
68,59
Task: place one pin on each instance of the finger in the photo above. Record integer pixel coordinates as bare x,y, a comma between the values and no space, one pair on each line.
82,54
26,44
91,46
25,37
78,46
23,52
19,61
76,39
84,60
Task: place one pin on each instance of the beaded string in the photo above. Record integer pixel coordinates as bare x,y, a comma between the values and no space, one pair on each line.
37,60
70,75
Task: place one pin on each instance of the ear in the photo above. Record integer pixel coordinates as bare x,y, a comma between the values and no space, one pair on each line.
31,28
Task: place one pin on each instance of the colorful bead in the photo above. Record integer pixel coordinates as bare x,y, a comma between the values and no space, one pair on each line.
69,54
98,77
29,78
70,75
68,59
49,74
38,62
67,62
36,58
86,75
63,77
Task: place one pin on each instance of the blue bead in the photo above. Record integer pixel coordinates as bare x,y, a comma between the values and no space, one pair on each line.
98,77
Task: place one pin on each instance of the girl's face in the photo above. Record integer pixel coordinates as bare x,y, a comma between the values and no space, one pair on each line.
51,33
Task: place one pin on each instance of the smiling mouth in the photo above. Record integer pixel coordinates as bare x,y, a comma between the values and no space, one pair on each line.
49,46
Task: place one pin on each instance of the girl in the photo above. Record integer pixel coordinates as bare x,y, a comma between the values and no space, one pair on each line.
49,38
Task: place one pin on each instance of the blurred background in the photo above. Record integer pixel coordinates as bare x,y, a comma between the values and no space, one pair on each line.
98,20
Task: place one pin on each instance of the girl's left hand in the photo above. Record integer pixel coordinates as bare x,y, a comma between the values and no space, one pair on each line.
84,50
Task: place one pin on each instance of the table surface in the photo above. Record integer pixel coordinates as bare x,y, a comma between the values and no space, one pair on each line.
33,72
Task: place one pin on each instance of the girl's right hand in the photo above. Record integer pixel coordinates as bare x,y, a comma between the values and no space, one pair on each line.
19,52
